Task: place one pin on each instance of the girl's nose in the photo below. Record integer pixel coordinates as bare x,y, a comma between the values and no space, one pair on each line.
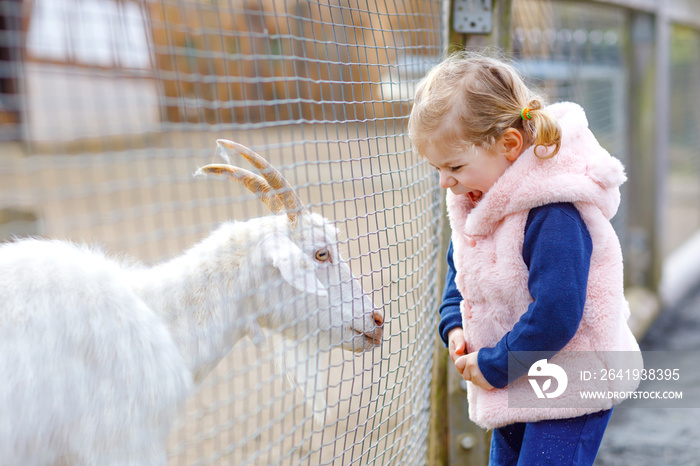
446,181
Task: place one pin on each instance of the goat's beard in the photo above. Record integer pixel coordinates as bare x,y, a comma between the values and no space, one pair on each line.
303,370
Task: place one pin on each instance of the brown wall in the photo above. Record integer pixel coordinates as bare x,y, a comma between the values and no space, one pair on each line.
327,57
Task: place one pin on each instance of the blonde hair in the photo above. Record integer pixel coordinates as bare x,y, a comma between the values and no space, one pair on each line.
471,99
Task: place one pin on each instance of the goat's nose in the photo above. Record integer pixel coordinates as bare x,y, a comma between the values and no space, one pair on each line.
378,319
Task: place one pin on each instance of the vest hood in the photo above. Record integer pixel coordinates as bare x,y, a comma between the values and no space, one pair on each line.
582,171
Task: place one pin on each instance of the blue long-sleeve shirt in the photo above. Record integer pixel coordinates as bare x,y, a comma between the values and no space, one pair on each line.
557,251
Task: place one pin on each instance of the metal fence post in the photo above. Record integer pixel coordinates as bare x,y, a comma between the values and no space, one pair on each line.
454,439
642,204
648,57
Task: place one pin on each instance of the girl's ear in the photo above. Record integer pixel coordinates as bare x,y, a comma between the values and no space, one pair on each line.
512,144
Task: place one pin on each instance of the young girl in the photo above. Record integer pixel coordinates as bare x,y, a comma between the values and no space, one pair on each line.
534,263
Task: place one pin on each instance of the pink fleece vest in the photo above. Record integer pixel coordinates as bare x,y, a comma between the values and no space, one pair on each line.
492,276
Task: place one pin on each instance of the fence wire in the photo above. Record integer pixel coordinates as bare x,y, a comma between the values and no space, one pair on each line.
107,108
580,51
682,221
575,51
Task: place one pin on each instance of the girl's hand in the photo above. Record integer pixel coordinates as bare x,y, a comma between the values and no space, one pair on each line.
457,344
468,366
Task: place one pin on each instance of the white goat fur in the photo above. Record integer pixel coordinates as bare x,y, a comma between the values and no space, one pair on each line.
98,355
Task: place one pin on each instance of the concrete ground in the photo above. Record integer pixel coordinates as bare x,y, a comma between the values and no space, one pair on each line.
643,436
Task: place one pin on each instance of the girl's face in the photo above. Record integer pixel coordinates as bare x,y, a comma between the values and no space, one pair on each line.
471,172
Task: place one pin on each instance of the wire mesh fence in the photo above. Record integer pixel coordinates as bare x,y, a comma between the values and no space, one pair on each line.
683,176
594,53
108,107
575,51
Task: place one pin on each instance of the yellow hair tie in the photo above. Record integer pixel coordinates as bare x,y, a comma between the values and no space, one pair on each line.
525,114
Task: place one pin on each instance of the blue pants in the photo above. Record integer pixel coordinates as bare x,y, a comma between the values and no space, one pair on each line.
573,441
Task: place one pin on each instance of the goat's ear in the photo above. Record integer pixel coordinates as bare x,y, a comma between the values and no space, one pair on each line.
296,269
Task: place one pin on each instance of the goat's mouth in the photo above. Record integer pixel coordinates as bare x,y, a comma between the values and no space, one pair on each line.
372,338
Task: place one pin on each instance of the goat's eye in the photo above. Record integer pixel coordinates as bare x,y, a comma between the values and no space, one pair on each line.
322,255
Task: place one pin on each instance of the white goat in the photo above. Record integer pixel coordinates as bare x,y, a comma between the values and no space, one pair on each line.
97,356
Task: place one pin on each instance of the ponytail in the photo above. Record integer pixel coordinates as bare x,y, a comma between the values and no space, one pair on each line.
471,99
542,128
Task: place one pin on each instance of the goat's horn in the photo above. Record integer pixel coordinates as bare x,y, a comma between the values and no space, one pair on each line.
253,182
286,193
